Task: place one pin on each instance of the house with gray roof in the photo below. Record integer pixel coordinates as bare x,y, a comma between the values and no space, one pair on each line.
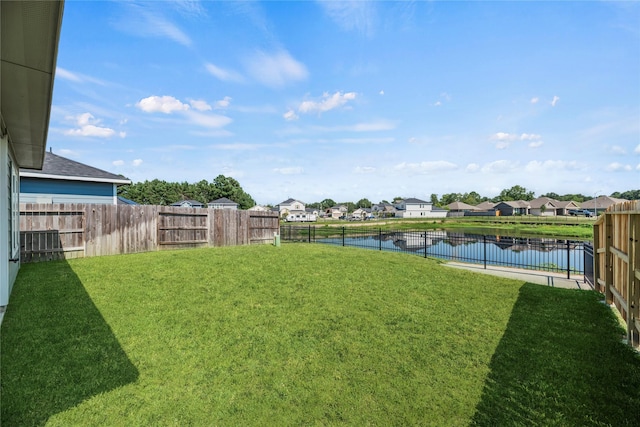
63,180
600,203
291,206
223,203
513,207
417,208
188,204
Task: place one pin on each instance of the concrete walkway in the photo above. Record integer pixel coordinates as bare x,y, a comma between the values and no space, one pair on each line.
557,280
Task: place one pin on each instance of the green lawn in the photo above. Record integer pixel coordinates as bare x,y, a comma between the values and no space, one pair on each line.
305,335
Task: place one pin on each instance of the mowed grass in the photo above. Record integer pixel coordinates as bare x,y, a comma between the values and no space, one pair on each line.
305,335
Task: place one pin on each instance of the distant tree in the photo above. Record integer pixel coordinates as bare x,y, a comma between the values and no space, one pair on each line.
364,203
627,195
434,199
472,198
350,206
328,203
515,193
450,198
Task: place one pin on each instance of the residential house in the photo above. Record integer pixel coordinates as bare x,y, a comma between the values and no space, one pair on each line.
416,208
383,210
312,211
258,208
188,204
29,32
362,213
512,207
289,207
63,180
486,206
335,212
223,203
563,207
543,206
600,203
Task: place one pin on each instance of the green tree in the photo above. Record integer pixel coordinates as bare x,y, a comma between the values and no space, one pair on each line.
515,193
364,203
434,200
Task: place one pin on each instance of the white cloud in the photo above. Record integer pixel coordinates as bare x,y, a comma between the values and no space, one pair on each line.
426,167
536,144
529,137
137,162
143,21
535,100
504,139
437,104
618,167
289,171
501,166
638,167
555,100
223,103
472,167
222,74
503,136
162,104
501,145
117,162
208,120
554,166
618,149
276,69
200,105
67,75
637,150
290,115
351,15
88,126
328,102
381,92
364,169
238,147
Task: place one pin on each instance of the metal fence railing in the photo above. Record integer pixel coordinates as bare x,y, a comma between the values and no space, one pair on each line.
544,254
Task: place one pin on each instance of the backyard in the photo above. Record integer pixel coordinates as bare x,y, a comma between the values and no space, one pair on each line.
305,335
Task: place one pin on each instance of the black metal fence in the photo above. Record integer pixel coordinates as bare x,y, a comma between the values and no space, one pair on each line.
542,254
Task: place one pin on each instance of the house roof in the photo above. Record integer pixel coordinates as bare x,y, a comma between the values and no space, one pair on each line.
290,201
125,201
29,37
461,206
567,203
414,201
601,202
223,201
515,203
486,205
543,201
191,202
58,167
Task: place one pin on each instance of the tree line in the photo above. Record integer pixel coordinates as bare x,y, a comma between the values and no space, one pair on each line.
159,192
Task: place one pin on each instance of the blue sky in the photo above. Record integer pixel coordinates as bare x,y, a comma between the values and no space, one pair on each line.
351,100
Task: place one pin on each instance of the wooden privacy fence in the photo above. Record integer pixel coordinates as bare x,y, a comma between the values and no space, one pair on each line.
617,262
62,231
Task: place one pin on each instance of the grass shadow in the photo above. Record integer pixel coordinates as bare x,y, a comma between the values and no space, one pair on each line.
57,350
561,362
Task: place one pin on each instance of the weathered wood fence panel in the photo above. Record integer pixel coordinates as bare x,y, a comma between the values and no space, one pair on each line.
617,262
57,231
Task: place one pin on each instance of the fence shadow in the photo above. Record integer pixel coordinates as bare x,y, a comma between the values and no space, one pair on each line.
561,364
57,350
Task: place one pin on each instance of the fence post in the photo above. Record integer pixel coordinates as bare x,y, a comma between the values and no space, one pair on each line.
568,260
309,233
425,243
484,246
380,238
342,236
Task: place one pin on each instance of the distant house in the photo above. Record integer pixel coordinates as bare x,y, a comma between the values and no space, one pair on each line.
290,206
125,201
416,208
188,204
62,180
600,203
486,206
311,211
258,208
223,203
544,206
460,207
383,210
362,213
335,212
510,208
